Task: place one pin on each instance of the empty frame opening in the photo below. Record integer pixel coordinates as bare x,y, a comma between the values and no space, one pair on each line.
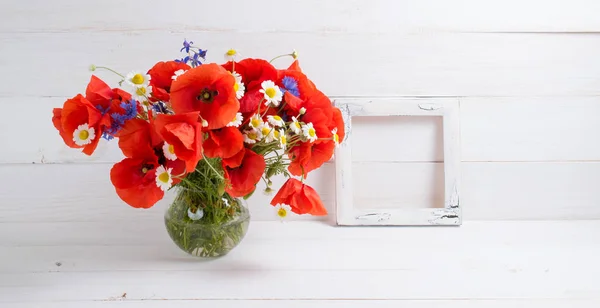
397,162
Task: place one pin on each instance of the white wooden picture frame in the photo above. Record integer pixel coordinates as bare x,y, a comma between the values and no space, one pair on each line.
450,213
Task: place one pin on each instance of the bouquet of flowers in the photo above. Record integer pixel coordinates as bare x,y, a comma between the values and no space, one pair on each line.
213,131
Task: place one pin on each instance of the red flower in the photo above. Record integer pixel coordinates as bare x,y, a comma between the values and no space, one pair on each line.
209,89
301,198
224,142
135,180
138,137
79,124
304,85
310,156
243,178
253,72
184,133
161,78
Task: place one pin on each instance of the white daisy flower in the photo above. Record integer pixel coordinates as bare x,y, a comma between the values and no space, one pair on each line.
275,120
137,79
195,216
251,136
283,210
280,135
169,151
142,93
302,110
178,73
238,87
256,122
84,134
309,132
268,133
295,126
336,137
163,178
272,93
237,121
231,54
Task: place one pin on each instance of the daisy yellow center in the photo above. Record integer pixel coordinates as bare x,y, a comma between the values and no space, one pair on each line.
283,140
277,118
311,132
137,79
256,122
297,124
171,149
231,52
236,87
265,130
336,138
276,133
270,92
252,135
282,213
164,177
140,91
84,134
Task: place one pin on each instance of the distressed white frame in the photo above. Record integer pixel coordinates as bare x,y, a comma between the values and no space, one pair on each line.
448,109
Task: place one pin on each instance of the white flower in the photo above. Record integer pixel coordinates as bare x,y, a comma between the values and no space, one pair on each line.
280,135
195,216
177,74
267,133
272,93
238,87
163,178
251,136
226,202
237,120
302,110
231,54
309,132
256,122
283,210
137,79
84,135
275,120
142,93
295,126
336,137
169,151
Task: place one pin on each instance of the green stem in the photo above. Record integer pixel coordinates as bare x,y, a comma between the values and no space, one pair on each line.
109,69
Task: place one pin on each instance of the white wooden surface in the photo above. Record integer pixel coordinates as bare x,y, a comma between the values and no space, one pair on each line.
526,73
525,264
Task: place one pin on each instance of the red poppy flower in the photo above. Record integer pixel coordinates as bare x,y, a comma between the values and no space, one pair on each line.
161,78
135,181
209,89
253,72
79,124
310,156
296,81
184,133
301,198
224,142
235,160
100,94
138,137
243,178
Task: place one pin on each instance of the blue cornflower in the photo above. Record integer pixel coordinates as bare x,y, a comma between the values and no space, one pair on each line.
160,107
290,84
186,46
102,110
118,120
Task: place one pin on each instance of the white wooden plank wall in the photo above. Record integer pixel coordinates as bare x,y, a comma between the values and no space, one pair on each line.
527,75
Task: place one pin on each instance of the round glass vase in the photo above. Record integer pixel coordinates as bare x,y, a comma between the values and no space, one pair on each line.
214,234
